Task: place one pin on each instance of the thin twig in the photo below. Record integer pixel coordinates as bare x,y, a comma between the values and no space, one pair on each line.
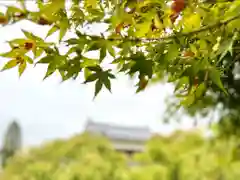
206,76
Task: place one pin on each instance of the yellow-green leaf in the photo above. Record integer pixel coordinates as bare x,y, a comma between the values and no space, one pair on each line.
192,22
10,64
28,59
200,90
91,3
143,28
13,9
158,23
37,52
89,62
87,73
22,67
189,100
110,49
10,54
172,52
18,41
91,78
63,29
52,30
49,10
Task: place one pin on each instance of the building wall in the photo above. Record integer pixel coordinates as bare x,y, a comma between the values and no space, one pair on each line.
128,145
124,139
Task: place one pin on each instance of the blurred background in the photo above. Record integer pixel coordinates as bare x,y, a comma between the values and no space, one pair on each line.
58,131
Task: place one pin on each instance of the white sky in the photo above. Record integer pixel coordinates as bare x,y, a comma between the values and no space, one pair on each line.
50,109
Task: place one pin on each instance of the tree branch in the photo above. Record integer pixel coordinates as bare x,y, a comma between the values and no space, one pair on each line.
205,28
215,1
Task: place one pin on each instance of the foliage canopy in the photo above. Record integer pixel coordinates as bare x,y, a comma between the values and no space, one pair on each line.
186,41
183,155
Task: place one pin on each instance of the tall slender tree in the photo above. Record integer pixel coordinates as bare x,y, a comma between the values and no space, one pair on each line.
12,142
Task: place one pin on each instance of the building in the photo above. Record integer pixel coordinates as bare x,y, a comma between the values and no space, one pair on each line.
124,139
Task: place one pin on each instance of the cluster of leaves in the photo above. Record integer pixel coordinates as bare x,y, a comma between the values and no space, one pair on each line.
229,121
183,155
183,40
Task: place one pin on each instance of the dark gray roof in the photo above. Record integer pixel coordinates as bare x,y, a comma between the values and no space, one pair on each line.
119,132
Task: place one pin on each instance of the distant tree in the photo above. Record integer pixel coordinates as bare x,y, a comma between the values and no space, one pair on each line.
181,156
12,142
80,157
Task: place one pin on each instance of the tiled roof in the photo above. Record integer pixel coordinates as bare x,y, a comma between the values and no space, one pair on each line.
119,132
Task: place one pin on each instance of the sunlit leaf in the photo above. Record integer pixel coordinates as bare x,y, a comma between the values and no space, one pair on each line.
95,68
28,59
49,10
18,41
188,100
143,28
172,52
192,22
46,59
158,22
111,50
31,36
37,52
200,90
10,64
87,73
91,78
13,9
91,3
226,47
181,83
50,70
63,29
52,30
10,54
22,67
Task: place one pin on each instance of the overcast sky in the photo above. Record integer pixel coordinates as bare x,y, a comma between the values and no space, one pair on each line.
50,109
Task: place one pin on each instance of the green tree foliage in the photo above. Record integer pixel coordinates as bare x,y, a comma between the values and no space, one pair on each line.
187,155
185,41
12,142
81,157
183,155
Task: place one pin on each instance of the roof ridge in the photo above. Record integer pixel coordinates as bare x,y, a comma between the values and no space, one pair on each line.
113,125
